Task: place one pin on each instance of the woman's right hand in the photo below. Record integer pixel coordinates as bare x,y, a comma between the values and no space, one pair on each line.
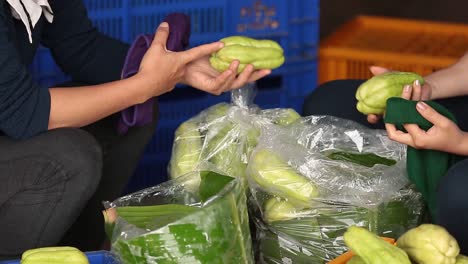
415,92
160,69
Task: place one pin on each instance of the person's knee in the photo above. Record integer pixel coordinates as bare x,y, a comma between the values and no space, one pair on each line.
452,187
452,203
79,155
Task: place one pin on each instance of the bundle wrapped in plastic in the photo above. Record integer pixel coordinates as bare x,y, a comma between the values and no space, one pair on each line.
222,137
169,223
311,180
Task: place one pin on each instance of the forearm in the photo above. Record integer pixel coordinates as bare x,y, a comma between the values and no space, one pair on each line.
451,81
80,106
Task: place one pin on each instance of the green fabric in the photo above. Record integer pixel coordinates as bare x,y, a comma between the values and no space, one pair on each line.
425,167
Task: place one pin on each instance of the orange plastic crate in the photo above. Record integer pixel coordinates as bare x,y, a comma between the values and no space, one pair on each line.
400,44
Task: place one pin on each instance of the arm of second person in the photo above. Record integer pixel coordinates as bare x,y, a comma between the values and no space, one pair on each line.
451,81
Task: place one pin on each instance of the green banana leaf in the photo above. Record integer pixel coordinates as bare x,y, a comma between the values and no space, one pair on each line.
216,232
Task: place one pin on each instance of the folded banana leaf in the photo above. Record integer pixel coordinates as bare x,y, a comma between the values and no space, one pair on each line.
216,231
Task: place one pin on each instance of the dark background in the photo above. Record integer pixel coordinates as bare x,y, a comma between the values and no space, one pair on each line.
333,13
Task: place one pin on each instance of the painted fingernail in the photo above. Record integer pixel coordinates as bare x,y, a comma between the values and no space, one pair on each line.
417,83
421,106
164,24
407,88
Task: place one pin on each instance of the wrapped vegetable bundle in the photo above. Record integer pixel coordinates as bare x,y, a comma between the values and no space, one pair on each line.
222,137
312,180
171,224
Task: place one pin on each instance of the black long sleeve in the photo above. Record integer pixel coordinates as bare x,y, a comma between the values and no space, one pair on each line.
84,53
79,48
24,107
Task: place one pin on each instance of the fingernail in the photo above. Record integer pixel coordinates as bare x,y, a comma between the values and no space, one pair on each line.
406,88
164,24
221,44
421,106
417,83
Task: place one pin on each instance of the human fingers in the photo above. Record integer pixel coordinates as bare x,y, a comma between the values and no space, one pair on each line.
256,75
243,77
398,135
432,115
201,51
229,82
161,35
225,79
377,70
407,91
417,91
373,119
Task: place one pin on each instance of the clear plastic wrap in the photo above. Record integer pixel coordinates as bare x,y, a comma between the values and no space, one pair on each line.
311,180
221,137
171,223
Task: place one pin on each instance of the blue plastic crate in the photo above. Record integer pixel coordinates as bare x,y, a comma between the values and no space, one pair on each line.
151,171
294,24
94,257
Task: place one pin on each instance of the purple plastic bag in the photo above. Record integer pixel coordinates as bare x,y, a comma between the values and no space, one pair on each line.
178,40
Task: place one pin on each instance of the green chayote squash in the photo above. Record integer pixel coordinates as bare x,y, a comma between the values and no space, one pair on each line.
356,260
279,210
262,54
186,149
462,259
54,255
277,177
372,95
372,249
429,244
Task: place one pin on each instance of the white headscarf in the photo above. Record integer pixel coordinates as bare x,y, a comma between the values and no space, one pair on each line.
34,8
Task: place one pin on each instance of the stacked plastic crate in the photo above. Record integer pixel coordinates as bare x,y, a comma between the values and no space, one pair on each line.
294,24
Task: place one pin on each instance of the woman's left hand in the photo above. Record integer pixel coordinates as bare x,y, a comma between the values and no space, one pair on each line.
199,74
444,135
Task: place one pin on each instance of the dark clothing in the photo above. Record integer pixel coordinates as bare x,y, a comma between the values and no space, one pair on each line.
337,98
452,202
78,48
53,182
46,181
56,178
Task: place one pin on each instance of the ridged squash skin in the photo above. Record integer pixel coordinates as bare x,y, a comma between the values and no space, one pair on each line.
262,54
429,244
54,255
372,95
275,176
372,249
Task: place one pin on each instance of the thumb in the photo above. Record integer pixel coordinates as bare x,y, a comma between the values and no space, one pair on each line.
377,70
201,51
162,33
